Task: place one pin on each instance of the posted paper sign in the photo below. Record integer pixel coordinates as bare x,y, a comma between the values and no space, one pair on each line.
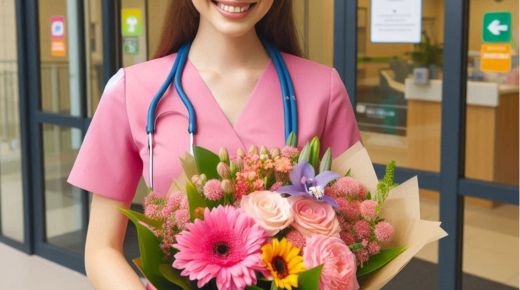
395,21
495,57
58,36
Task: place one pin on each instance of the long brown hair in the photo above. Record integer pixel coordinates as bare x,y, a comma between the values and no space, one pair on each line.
182,22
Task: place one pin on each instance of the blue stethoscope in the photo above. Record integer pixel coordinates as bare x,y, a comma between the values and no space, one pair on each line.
175,77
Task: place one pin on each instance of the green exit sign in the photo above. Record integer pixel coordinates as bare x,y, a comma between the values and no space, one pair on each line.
497,27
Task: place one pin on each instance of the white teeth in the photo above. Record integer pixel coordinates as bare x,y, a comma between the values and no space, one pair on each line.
233,9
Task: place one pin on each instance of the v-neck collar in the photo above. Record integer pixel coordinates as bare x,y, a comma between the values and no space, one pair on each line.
252,95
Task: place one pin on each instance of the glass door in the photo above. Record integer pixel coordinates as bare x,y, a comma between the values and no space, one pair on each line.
11,182
67,85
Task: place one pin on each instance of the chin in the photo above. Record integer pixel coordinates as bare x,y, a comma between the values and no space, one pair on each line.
233,17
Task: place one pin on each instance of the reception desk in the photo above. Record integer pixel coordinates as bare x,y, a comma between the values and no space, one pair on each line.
491,130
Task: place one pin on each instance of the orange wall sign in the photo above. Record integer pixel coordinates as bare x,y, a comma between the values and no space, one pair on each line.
495,57
58,36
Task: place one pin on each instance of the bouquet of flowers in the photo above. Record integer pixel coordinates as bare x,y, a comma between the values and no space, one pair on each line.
280,218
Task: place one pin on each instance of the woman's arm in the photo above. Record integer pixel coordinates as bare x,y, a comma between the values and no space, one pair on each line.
105,263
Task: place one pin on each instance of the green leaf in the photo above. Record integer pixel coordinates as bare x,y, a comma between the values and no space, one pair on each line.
195,199
326,161
310,279
207,162
314,155
188,165
254,288
174,276
376,262
151,254
141,217
292,140
305,154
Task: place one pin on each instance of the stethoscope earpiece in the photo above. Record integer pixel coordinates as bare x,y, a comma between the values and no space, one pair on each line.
175,77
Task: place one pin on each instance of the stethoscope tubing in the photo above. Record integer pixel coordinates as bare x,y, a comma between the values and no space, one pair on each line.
175,77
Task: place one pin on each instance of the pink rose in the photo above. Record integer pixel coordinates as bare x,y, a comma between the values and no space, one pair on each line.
269,210
339,263
313,217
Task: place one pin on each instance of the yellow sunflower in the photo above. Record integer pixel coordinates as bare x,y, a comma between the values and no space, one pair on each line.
284,262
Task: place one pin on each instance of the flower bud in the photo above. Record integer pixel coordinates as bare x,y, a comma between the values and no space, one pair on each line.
240,153
253,150
275,152
199,213
263,150
233,168
195,179
227,186
223,170
223,155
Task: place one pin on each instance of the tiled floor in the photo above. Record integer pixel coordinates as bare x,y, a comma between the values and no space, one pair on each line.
22,272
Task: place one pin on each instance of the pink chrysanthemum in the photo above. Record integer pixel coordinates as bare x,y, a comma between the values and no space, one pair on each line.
368,209
342,203
153,205
351,210
384,231
213,190
362,256
362,229
347,237
373,248
349,188
182,217
296,238
226,245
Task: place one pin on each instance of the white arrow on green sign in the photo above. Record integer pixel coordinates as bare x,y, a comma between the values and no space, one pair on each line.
497,27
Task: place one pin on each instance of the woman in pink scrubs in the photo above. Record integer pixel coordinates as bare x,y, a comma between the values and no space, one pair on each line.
235,91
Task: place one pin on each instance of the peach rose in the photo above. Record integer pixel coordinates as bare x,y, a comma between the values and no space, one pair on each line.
339,263
269,209
312,217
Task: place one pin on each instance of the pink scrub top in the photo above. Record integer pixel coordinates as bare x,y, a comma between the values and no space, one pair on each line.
114,153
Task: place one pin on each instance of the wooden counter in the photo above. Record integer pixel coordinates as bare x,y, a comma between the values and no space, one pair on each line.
491,136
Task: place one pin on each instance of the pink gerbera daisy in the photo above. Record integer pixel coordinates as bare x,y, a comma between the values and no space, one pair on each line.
226,245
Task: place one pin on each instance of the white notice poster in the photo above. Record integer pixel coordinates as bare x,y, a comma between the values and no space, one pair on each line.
395,21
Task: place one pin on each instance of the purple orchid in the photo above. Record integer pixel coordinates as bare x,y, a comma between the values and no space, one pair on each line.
305,182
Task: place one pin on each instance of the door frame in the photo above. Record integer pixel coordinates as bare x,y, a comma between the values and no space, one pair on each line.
450,181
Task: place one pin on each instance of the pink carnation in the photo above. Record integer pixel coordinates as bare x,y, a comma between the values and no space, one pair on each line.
290,152
296,238
384,231
276,186
362,229
283,165
339,264
368,209
213,190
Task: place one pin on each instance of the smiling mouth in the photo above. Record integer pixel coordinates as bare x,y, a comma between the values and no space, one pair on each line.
233,7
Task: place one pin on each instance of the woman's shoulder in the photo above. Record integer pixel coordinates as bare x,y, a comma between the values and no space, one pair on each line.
307,72
303,65
312,76
151,67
